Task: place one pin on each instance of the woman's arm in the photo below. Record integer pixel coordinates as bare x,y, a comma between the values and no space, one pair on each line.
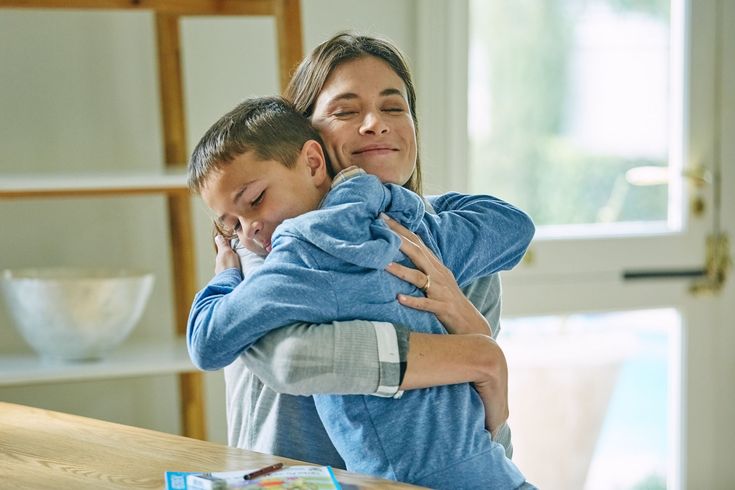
343,358
451,359
355,357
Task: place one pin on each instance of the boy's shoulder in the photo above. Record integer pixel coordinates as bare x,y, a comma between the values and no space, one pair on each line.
457,201
353,184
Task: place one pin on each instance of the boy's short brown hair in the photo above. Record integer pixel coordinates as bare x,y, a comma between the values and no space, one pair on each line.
269,126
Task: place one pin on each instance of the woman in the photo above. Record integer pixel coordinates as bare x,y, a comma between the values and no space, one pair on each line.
347,86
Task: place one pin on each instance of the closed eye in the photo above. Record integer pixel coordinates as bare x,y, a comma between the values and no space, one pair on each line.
255,202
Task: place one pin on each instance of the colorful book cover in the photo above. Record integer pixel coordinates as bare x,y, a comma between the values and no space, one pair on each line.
289,477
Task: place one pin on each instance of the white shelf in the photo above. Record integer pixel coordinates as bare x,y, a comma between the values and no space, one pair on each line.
30,185
139,358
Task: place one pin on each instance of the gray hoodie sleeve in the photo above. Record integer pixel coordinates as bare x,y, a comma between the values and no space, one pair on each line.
334,358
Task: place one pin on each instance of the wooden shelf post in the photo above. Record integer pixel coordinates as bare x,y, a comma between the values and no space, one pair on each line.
287,14
179,211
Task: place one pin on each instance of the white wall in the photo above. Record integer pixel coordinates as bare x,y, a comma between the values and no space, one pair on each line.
79,91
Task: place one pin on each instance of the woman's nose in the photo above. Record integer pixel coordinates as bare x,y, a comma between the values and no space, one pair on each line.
373,123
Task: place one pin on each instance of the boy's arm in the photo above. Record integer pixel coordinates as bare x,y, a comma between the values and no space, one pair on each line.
478,235
228,315
337,357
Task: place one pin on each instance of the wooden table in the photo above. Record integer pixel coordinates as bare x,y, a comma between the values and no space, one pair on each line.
41,449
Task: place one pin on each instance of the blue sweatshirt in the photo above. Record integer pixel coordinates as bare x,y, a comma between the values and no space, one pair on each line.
328,265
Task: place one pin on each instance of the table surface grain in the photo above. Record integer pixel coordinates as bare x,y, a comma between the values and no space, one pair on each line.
41,449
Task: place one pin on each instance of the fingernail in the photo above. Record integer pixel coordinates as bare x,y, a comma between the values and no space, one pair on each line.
385,216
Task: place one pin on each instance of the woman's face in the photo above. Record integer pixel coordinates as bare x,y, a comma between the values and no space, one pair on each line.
363,116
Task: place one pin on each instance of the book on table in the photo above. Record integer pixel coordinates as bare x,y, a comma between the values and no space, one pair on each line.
288,477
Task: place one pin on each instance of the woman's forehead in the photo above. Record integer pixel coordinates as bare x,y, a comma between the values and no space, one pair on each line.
368,75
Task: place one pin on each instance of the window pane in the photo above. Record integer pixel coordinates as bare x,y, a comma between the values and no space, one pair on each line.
567,97
594,398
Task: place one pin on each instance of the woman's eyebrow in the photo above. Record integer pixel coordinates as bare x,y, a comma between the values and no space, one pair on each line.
344,96
351,95
392,91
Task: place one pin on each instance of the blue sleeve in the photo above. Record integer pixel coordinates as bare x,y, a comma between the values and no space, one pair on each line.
228,316
478,235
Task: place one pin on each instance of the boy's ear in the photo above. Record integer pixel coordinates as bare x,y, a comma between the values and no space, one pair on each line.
313,155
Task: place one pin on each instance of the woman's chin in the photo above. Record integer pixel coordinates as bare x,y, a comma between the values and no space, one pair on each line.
389,172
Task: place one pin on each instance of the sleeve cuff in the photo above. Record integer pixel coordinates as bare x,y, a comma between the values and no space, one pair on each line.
392,355
249,261
228,277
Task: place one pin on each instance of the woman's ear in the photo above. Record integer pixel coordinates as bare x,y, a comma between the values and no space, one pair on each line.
312,154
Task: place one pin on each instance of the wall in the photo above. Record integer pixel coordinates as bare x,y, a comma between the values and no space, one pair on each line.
79,91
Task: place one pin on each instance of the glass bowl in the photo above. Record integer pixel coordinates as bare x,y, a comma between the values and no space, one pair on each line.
75,313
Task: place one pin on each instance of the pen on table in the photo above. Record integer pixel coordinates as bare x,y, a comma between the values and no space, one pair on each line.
263,471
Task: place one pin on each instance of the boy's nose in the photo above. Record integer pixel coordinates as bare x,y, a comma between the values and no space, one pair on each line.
252,229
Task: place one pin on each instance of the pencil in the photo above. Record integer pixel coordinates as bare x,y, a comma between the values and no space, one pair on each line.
263,471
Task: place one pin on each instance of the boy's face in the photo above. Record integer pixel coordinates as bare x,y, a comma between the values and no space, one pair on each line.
251,197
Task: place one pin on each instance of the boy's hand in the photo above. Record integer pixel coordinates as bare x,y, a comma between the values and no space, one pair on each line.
226,257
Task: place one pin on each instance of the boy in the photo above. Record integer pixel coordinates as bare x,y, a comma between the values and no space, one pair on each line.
262,169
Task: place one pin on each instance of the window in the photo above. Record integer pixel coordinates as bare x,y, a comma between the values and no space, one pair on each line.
592,394
575,112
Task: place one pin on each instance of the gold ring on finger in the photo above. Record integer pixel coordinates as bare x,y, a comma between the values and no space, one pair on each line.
425,287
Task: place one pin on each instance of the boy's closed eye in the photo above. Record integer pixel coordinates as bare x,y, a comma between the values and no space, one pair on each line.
258,200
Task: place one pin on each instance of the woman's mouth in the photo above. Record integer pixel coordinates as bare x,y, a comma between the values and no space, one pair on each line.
374,150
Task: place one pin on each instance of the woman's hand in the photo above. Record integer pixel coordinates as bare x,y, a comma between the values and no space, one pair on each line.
443,297
493,391
226,257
